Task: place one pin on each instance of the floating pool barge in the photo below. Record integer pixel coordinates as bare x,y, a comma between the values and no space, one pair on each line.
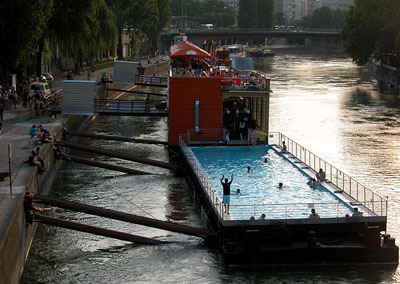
291,241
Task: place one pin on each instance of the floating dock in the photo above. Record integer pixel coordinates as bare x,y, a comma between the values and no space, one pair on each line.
290,240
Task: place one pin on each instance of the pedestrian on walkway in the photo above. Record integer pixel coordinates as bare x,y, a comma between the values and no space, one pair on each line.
37,108
5,97
1,110
14,98
24,97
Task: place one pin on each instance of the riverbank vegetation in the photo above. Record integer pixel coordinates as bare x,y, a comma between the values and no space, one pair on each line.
193,13
325,18
256,14
76,30
372,30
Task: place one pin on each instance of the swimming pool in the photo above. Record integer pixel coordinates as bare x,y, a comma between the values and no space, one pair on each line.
259,188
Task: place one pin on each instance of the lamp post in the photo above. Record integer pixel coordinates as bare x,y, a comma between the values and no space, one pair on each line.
182,14
186,15
214,15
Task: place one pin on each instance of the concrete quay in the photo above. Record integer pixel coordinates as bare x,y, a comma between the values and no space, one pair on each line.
15,235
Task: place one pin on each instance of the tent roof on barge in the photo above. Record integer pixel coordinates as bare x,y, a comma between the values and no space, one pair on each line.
185,49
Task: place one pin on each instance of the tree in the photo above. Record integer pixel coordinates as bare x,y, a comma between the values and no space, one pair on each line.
280,19
122,10
134,17
248,15
21,27
322,18
265,10
161,13
371,29
218,13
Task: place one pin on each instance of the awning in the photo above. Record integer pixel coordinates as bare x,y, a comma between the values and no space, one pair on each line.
185,49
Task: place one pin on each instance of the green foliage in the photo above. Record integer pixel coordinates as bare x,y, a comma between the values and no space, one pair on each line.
215,12
265,10
372,29
327,18
194,9
21,26
79,29
248,15
159,11
280,19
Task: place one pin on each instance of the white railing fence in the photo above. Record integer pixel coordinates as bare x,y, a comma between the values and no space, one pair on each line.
359,192
208,187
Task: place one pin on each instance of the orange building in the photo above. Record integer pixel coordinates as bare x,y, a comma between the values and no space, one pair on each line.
183,93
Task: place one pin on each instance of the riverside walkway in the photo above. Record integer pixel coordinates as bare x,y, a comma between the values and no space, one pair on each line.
15,235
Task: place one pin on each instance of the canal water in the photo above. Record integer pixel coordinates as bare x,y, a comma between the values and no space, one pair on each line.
324,102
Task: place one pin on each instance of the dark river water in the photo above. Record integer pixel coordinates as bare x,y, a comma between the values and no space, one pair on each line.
324,102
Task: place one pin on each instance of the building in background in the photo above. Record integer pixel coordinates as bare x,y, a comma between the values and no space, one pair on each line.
296,10
338,4
234,4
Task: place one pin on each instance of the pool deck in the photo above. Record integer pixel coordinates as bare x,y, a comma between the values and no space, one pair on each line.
334,190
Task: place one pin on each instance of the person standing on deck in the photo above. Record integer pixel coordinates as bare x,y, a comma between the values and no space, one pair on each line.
242,125
227,193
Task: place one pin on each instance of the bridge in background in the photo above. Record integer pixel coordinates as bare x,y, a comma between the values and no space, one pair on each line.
309,38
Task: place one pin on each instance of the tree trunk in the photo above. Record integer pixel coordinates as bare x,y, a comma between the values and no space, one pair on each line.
119,45
4,73
39,56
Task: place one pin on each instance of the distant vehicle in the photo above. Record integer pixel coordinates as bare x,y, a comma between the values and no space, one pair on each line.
42,88
48,76
179,38
207,26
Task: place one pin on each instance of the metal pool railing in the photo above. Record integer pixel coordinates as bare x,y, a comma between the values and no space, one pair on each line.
337,209
208,187
376,205
356,190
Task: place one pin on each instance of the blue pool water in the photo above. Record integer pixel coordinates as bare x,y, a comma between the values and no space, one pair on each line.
260,191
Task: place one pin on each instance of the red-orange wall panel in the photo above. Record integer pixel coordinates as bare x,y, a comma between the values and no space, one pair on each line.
183,91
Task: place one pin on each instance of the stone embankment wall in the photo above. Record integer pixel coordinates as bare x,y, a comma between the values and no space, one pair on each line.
18,237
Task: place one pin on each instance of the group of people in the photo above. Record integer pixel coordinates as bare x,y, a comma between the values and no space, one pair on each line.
41,134
356,213
226,185
9,97
314,215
